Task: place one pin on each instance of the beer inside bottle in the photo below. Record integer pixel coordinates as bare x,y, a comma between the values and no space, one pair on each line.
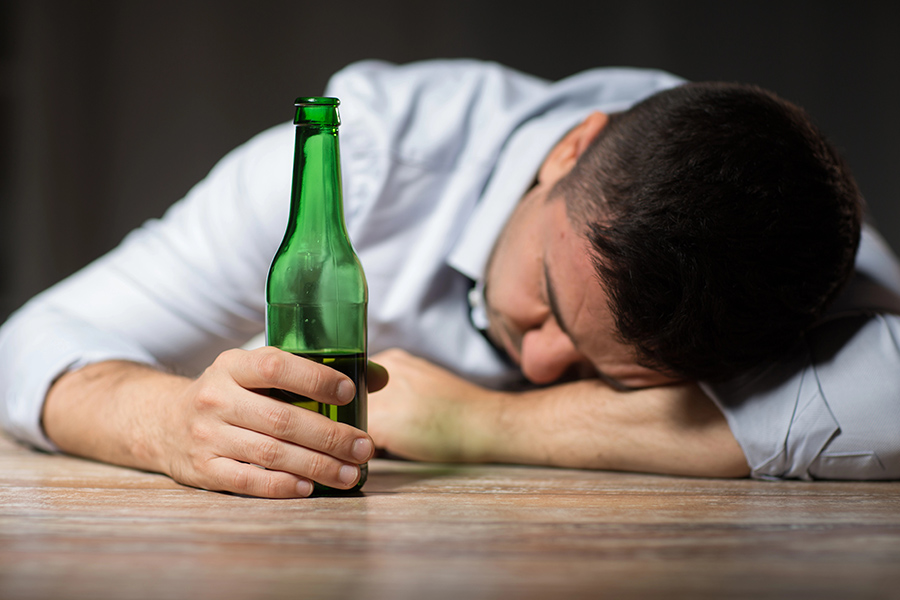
316,292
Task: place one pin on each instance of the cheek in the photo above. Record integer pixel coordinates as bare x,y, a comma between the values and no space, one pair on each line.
515,269
517,295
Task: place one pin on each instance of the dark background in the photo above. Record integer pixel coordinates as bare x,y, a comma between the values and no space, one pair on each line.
111,110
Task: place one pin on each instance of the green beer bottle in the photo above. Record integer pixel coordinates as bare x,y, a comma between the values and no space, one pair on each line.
316,293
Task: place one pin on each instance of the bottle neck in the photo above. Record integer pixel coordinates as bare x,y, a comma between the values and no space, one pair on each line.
317,211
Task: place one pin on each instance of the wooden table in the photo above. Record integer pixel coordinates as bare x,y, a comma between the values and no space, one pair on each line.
71,528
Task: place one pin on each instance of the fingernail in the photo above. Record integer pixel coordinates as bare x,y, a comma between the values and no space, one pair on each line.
348,474
346,391
361,450
304,488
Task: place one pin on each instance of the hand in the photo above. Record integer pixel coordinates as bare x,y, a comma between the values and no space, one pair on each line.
225,424
427,413
210,432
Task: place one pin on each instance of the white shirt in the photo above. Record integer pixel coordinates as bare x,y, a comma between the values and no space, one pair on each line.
830,408
435,156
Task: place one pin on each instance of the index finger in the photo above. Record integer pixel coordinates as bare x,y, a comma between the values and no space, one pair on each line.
273,368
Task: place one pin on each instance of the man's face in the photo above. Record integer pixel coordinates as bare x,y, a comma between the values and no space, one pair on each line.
546,306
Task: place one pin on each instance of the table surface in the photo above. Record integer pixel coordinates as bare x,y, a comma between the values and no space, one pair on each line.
72,528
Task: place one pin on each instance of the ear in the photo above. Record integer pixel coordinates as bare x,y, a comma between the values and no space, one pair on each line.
566,152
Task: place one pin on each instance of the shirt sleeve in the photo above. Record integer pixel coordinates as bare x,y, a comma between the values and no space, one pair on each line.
176,291
830,408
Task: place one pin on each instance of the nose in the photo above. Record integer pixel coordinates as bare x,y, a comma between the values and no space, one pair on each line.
547,353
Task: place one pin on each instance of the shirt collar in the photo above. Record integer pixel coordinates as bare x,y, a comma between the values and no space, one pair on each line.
514,174
515,171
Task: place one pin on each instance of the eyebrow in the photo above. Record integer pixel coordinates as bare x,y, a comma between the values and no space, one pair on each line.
554,304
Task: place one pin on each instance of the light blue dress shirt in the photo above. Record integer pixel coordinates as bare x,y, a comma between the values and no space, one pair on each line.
435,156
830,408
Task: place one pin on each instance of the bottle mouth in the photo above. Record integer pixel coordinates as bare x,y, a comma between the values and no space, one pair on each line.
315,110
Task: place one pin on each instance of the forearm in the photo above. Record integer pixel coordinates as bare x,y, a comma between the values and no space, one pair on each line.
428,413
674,430
113,412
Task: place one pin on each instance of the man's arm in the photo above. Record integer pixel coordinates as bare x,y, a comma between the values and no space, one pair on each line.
209,432
427,413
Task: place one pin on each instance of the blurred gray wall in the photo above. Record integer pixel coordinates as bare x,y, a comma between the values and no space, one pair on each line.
111,110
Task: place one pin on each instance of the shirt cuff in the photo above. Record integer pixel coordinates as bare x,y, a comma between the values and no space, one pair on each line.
37,346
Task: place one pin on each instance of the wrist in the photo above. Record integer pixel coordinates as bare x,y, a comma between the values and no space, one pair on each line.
486,427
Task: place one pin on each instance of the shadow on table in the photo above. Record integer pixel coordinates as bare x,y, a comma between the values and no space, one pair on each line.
391,475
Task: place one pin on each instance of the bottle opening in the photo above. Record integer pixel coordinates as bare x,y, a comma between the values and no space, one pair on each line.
314,110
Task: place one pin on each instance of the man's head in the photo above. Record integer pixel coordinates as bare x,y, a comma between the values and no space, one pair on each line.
718,224
722,224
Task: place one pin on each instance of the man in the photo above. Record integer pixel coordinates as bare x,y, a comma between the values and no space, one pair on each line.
539,204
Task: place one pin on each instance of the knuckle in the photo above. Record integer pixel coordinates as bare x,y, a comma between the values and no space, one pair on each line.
279,419
227,357
267,453
331,439
318,382
318,466
241,479
230,354
206,398
270,365
200,432
273,487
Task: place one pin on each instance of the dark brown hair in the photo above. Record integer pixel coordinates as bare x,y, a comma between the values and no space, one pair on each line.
722,224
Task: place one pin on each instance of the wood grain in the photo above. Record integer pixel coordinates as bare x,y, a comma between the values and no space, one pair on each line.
71,528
